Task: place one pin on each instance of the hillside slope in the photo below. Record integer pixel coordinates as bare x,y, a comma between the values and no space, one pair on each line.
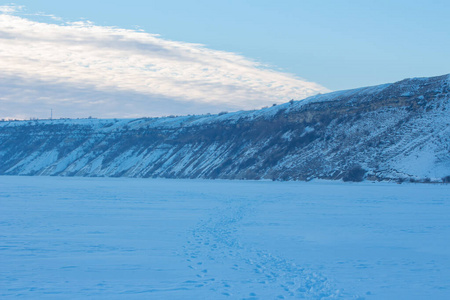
398,131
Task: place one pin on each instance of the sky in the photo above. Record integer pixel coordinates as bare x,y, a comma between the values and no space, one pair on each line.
152,58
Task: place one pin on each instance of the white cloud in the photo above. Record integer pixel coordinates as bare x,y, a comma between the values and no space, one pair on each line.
112,72
8,9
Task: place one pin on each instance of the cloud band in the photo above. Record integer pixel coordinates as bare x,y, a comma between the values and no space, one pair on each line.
59,60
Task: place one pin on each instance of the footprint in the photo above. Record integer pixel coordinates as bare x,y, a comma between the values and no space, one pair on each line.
190,281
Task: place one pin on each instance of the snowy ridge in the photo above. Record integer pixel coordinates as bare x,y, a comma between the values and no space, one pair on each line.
396,131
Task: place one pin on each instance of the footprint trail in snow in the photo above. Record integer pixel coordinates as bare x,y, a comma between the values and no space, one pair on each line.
249,273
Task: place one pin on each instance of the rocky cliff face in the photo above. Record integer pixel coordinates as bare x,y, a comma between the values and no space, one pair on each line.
398,131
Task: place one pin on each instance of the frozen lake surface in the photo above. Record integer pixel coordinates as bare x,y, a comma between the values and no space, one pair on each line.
118,238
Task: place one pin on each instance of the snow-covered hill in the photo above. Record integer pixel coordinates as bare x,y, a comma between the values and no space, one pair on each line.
398,131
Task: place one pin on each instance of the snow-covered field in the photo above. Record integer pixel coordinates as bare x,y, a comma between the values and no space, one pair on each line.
106,238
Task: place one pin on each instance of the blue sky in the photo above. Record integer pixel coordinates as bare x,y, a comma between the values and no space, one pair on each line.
335,44
339,44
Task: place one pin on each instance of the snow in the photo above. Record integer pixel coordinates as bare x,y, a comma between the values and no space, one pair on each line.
121,238
410,87
172,122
